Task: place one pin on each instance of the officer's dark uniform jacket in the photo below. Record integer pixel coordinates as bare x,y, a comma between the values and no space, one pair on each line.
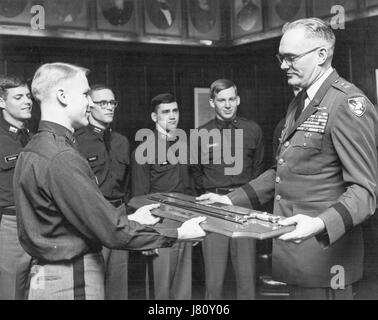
212,175
326,168
61,212
10,148
110,168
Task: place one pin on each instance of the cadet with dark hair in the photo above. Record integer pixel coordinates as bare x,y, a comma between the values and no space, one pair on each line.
63,218
172,267
15,106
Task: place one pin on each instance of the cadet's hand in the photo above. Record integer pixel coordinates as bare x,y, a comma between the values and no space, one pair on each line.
144,216
213,197
191,229
306,227
153,252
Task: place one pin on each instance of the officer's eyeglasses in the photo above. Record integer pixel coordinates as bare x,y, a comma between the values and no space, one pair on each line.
104,103
291,58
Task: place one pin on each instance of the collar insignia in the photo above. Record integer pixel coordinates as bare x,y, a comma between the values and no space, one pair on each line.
13,129
11,158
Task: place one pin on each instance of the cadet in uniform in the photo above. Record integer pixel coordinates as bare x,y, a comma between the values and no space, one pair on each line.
63,218
211,177
172,267
107,153
16,106
325,180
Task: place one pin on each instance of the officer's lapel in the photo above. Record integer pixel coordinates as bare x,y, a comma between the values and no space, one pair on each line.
311,108
288,123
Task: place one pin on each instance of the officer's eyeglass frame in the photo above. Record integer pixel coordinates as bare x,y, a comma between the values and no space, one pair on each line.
291,58
104,103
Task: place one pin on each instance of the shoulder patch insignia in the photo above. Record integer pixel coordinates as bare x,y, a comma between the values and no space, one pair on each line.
357,105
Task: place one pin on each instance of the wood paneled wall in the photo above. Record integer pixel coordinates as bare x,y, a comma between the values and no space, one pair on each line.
137,72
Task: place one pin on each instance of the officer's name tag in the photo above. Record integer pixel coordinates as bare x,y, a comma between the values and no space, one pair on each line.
11,158
92,159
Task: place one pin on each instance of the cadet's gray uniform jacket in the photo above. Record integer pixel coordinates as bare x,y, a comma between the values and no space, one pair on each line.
326,168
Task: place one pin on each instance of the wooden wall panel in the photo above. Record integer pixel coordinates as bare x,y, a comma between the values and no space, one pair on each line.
138,72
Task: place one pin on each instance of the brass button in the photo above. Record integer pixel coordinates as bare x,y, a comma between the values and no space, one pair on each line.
281,161
287,143
278,179
278,197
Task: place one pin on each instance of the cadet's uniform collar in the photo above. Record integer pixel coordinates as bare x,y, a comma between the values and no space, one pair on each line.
162,133
58,130
97,131
12,130
221,124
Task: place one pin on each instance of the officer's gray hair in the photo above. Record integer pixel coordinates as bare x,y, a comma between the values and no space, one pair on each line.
50,75
314,28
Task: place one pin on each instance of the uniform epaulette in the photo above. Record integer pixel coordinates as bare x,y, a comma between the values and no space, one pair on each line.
345,86
248,122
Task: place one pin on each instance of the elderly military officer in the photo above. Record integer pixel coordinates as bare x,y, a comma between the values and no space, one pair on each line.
63,218
211,177
107,153
16,106
325,179
172,267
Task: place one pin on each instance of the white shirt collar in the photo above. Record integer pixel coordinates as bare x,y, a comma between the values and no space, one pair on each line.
313,89
163,134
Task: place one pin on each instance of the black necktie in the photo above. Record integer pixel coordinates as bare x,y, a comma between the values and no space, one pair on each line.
300,103
24,136
107,138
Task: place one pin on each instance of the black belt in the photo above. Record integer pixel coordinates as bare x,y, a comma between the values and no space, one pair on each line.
117,202
11,211
8,211
221,190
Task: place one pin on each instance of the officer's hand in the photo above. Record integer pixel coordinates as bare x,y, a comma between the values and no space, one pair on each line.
148,253
213,197
306,227
191,229
144,216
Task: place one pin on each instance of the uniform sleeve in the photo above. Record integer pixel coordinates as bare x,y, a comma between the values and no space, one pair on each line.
197,175
140,177
196,169
258,160
78,198
128,172
255,193
187,179
353,136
